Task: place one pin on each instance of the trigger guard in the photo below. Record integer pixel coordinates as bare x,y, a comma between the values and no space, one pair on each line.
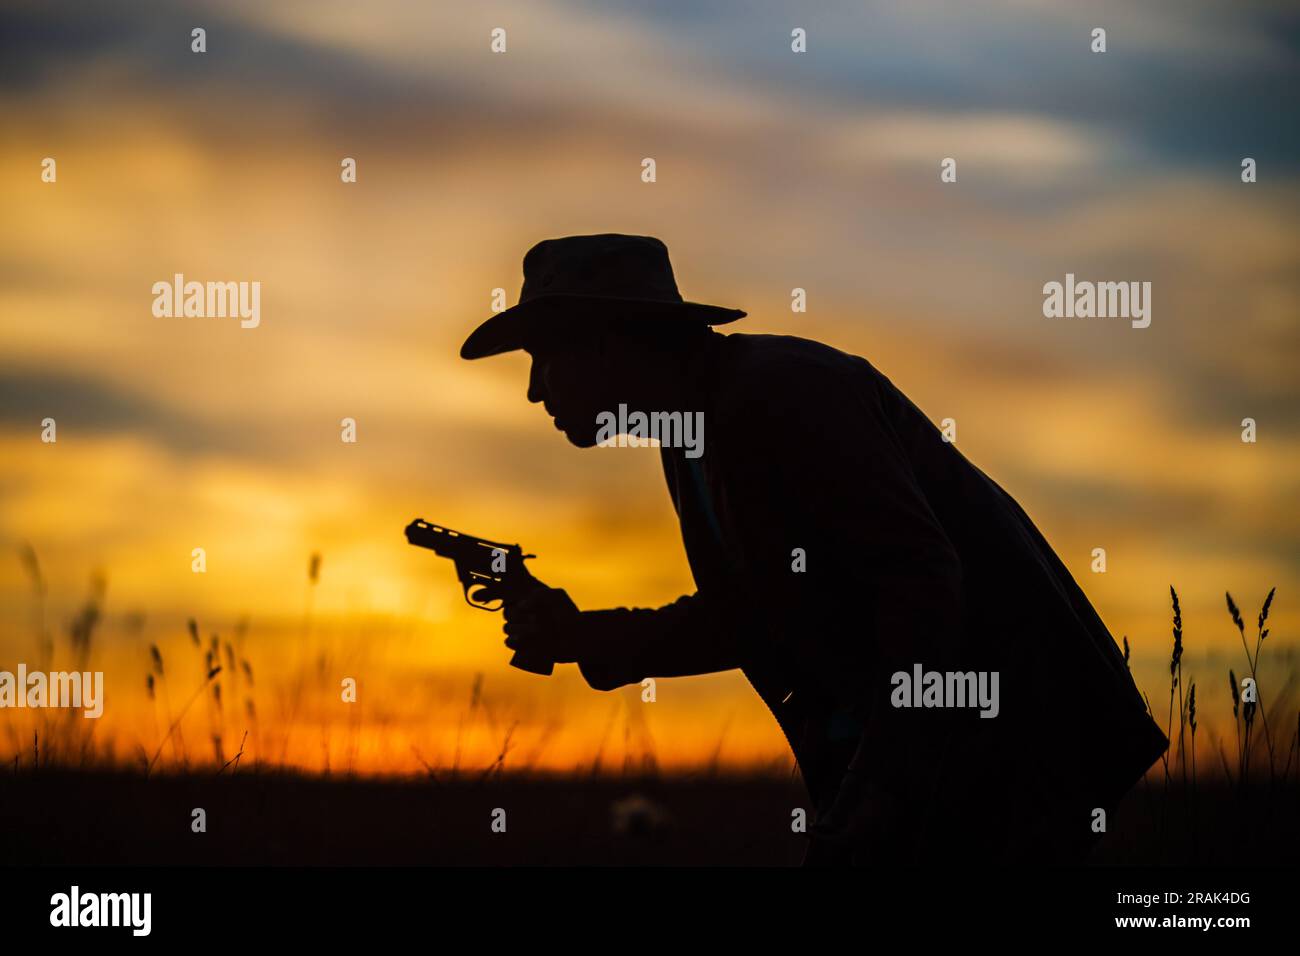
484,607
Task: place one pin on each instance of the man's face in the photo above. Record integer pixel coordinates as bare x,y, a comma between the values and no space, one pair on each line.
572,381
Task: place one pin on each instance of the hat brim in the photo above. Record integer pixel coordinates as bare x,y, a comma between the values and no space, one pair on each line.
514,328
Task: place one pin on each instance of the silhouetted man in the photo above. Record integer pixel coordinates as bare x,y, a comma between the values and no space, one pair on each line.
947,689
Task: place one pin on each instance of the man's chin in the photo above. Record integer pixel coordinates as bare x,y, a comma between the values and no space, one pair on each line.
582,439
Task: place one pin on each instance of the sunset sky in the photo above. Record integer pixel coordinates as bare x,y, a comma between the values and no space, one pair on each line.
775,170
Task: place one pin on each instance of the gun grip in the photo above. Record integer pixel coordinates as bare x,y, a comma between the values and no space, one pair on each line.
533,665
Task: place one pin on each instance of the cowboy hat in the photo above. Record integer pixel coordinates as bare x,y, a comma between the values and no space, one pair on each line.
609,275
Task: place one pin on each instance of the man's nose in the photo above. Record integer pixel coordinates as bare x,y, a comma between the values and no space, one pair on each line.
536,384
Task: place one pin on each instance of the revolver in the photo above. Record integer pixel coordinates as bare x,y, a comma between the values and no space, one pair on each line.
481,563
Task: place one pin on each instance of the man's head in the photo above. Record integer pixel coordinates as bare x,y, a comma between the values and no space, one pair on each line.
603,321
596,366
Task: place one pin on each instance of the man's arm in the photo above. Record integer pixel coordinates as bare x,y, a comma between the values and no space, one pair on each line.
696,634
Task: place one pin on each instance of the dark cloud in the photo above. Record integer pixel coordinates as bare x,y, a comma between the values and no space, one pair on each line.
256,87
80,404
246,70
1204,101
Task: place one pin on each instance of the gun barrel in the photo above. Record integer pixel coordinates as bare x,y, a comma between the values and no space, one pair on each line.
422,534
449,543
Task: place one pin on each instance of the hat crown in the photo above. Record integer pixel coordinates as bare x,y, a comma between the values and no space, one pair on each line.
607,265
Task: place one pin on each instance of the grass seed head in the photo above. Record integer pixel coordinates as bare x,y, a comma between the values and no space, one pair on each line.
1236,614
1177,654
1263,614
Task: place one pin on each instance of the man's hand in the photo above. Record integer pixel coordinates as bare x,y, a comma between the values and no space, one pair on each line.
544,624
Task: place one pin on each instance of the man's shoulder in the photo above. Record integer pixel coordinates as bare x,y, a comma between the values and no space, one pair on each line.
762,368
759,348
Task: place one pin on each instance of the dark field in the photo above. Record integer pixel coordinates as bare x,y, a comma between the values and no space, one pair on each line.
79,818
55,817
